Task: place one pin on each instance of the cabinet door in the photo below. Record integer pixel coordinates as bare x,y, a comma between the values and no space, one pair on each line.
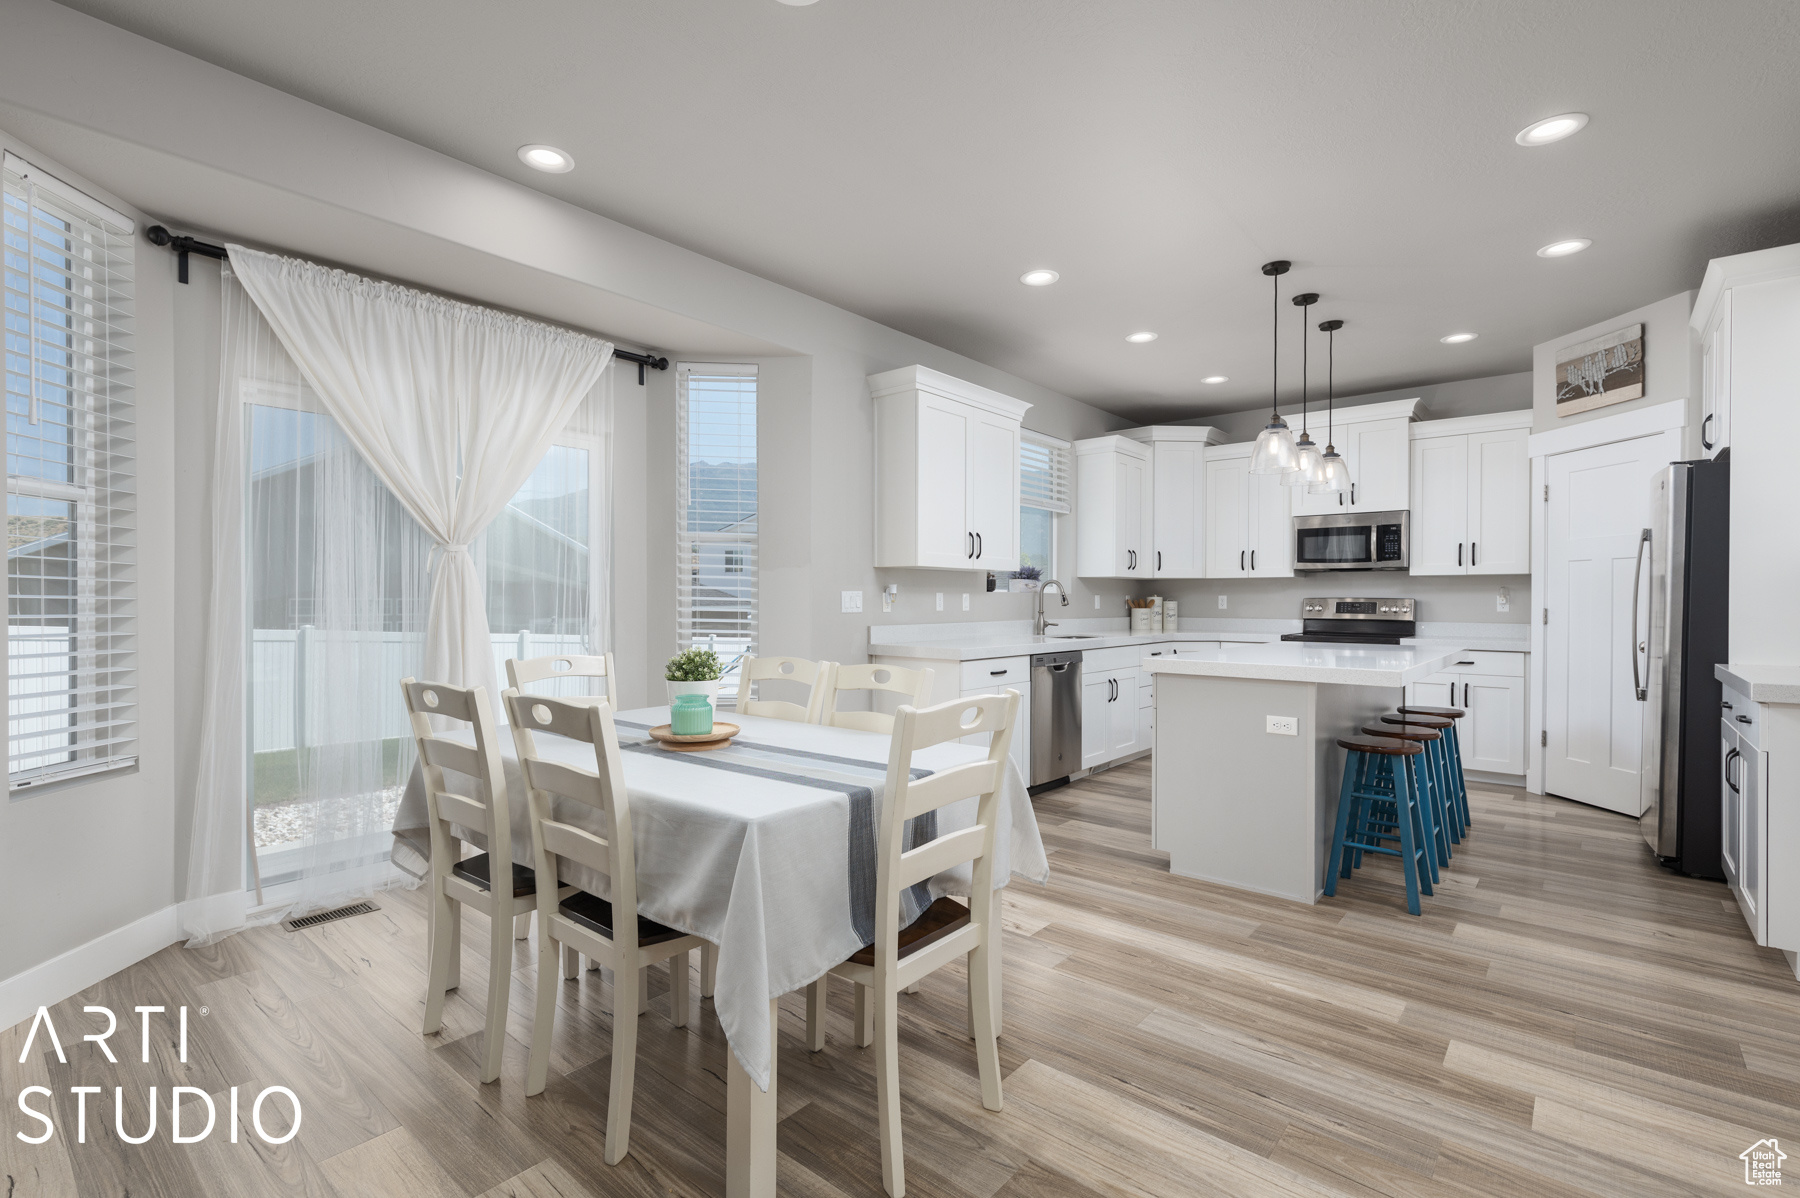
1134,485
1176,524
1096,719
1499,504
1492,731
1271,535
1123,716
1752,866
1227,498
943,466
1715,383
1731,828
1438,690
993,491
1378,455
1440,505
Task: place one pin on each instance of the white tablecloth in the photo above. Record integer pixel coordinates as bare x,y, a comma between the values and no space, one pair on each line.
766,849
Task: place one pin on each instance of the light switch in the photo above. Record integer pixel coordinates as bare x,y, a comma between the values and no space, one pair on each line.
965,601
1221,603
1282,725
940,601
852,600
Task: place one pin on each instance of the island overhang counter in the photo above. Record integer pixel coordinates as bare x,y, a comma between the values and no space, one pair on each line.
1238,799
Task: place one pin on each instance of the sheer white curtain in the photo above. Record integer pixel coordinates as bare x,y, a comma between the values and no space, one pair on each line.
324,594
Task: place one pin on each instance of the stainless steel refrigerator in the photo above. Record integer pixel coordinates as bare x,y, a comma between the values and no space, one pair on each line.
1682,560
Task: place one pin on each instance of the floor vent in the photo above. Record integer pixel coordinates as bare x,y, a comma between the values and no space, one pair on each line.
319,917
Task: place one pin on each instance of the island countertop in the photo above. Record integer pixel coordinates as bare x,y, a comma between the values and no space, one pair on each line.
1299,661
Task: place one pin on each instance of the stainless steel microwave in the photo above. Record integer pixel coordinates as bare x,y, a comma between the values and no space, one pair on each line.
1353,541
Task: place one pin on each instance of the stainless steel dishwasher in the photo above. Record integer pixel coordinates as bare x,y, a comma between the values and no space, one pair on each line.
1055,716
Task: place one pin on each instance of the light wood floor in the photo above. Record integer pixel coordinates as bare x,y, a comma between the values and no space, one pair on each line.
1565,1019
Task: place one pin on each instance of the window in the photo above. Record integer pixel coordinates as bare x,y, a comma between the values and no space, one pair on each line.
71,498
1044,472
715,585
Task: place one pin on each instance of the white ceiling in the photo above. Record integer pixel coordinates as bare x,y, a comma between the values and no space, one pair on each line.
908,159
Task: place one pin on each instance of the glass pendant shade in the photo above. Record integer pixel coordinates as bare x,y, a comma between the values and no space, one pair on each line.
1334,474
1274,452
1306,461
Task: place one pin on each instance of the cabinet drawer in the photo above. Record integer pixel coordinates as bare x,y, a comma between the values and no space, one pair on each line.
1743,714
1147,690
995,674
1122,657
1487,661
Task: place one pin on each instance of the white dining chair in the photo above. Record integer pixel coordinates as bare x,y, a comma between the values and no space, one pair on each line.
913,685
455,881
523,672
814,675
610,932
947,929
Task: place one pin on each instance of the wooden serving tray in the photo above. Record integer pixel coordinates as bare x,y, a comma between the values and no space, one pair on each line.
718,738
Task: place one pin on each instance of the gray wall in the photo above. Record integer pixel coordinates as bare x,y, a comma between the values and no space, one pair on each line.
1441,599
1465,397
1671,366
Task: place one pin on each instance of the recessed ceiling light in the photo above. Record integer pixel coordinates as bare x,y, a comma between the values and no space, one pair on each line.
1562,249
1039,278
547,158
1458,338
1553,128
799,3
1214,380
1141,338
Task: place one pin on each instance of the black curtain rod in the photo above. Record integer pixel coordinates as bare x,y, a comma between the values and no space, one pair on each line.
184,245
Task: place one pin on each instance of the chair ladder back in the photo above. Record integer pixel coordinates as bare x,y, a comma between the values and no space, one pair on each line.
815,675
950,786
522,672
914,685
481,763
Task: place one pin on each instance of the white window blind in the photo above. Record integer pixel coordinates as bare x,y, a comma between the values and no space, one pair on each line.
71,502
1044,471
716,571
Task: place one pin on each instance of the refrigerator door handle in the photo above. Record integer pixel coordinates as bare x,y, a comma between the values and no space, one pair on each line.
1637,581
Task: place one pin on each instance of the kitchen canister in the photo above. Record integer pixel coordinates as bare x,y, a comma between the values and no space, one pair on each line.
691,715
1156,616
1170,621
1140,620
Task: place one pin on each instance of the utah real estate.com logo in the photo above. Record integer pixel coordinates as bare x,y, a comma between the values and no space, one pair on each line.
1762,1163
45,1115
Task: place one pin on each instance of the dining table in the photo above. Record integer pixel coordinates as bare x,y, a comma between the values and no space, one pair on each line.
767,848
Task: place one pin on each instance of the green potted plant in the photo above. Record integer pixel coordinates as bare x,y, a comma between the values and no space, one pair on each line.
694,672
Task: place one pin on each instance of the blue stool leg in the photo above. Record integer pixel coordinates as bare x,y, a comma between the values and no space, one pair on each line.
1352,767
1443,806
1409,855
1456,766
1423,830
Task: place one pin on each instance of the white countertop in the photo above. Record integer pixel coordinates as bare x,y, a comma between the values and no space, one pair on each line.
976,641
1764,684
1295,661
974,646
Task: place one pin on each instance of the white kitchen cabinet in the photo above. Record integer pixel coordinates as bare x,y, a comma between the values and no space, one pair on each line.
946,472
1113,499
1375,452
1177,528
1110,717
1471,495
1715,379
1248,519
1745,819
1490,690
990,676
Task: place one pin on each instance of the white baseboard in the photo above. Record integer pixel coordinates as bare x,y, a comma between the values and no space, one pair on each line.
74,971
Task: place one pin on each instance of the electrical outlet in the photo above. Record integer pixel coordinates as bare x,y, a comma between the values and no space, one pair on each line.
1221,603
887,601
852,601
965,601
940,601
1096,603
1282,725
1503,600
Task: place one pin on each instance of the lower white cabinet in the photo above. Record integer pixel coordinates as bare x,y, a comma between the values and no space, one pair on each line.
1744,825
992,676
1490,689
1110,707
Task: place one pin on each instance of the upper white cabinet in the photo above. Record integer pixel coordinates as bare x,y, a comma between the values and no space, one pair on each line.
1715,378
1248,518
1113,497
1471,495
1373,440
946,472
1178,497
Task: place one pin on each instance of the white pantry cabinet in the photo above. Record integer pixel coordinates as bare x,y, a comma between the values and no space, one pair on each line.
946,472
1113,497
1374,440
1178,497
1249,527
1471,495
1489,687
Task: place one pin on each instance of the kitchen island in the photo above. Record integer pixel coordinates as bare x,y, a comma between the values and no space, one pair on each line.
1246,768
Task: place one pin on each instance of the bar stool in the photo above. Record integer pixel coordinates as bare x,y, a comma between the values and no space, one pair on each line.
1379,802
1451,770
1439,808
1453,714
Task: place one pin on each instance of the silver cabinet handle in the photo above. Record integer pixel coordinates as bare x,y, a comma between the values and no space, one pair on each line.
1637,579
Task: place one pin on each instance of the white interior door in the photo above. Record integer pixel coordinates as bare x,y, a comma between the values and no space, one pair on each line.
1175,512
1599,506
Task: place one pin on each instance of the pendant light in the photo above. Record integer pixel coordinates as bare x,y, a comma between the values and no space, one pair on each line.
1274,452
1334,475
1306,451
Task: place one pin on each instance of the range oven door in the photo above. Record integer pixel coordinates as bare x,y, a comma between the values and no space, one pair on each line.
1369,541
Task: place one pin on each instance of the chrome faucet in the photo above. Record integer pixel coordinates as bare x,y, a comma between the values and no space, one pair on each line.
1045,590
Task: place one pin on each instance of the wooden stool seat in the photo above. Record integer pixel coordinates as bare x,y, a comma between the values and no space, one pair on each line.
1419,721
1447,713
1402,732
934,923
1386,748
